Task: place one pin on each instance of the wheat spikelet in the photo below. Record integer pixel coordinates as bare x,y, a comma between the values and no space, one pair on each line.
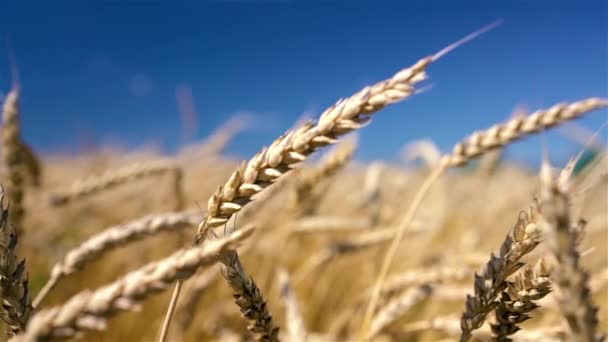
14,291
91,309
112,238
112,178
570,280
296,328
249,298
519,299
12,157
522,239
519,127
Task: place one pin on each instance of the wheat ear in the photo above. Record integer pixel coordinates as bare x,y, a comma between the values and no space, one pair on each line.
14,291
249,298
472,147
12,157
112,178
519,299
112,238
296,328
91,309
31,164
570,280
488,285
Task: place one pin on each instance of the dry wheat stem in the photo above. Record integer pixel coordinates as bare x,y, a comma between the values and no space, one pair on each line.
91,309
472,147
570,280
519,299
492,281
12,157
14,291
296,328
112,238
93,184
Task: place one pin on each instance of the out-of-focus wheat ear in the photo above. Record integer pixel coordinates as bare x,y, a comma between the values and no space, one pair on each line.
14,291
90,310
571,281
296,328
492,281
398,307
311,183
248,297
219,139
12,157
114,237
518,127
31,164
519,300
92,185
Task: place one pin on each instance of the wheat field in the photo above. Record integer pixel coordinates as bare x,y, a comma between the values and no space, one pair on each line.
462,246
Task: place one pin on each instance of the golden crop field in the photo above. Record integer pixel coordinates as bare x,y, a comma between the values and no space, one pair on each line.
463,246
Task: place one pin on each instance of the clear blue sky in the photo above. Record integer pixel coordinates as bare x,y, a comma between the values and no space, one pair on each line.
109,69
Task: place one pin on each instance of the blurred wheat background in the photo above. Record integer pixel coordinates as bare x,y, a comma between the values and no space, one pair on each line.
310,239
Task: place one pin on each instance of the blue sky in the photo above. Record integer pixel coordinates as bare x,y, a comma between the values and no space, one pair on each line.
107,71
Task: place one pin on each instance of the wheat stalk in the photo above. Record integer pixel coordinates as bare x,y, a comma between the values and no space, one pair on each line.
112,238
91,309
296,328
522,239
12,157
571,281
14,290
94,184
519,299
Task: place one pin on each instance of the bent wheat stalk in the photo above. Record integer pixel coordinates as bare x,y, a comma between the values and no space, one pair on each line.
91,309
14,291
470,148
112,238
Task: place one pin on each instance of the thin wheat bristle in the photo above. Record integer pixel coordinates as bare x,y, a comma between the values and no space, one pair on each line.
14,289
